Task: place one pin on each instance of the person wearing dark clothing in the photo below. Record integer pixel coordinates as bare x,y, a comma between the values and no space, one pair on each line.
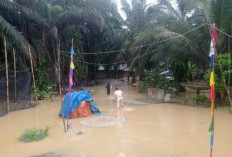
108,88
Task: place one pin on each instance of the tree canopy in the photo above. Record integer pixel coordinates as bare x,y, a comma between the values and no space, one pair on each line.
151,34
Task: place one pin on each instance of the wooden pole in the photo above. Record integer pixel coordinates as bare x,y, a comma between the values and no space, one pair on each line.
32,71
15,87
7,77
59,68
62,110
59,80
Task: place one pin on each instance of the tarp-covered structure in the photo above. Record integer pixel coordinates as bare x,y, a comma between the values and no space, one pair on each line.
76,99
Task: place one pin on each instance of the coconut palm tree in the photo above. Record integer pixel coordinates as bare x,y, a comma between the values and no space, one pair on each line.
14,17
163,22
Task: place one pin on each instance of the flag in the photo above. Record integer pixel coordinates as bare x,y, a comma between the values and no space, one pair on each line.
212,62
211,82
211,50
72,51
70,80
211,140
72,66
211,125
214,35
212,93
212,108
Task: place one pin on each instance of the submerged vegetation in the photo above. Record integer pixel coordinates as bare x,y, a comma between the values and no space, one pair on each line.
34,134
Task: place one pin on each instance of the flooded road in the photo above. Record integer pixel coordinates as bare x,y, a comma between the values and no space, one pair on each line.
148,130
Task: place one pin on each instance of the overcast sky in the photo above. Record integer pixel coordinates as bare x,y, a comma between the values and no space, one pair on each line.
148,1
119,5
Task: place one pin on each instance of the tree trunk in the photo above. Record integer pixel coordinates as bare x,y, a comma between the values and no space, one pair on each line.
7,77
15,87
33,76
58,54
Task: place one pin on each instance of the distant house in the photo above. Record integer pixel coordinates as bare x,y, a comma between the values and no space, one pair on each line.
122,70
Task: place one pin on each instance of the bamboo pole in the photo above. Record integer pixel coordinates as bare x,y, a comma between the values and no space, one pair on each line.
33,76
59,80
7,77
59,67
15,87
62,110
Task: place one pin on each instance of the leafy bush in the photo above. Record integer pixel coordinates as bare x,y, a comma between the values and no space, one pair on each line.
143,87
224,60
44,87
155,80
204,99
34,135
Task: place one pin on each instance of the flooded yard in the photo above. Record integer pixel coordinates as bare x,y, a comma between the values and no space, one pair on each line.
141,129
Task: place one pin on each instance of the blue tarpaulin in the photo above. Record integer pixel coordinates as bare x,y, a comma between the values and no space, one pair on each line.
76,99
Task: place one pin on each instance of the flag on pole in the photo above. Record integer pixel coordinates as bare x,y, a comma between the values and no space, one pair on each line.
212,93
212,109
211,140
211,82
211,50
212,62
211,125
70,79
214,35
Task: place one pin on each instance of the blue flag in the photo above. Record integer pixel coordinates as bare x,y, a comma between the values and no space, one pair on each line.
211,140
72,51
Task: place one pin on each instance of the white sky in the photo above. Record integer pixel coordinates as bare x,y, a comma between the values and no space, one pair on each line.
122,13
148,2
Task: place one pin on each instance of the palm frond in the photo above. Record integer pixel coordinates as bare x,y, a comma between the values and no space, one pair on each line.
16,39
17,9
221,15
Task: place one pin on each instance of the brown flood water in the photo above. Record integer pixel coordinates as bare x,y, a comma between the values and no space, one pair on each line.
149,130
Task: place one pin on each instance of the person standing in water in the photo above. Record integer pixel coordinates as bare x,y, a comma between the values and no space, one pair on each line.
108,88
118,94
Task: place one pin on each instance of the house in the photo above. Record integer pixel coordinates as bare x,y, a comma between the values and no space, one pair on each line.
121,71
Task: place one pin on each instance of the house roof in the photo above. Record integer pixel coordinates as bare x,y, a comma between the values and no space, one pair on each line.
122,67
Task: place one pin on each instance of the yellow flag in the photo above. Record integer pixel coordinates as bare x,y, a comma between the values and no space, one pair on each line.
211,79
72,65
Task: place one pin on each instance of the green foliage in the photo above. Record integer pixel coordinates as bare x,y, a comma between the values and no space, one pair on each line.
34,134
45,88
224,60
203,99
192,70
16,39
221,14
143,87
179,71
72,33
153,79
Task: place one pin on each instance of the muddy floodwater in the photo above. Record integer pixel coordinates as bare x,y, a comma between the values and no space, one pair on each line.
141,129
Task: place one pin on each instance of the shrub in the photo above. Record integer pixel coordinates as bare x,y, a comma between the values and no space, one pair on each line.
203,99
44,87
155,80
34,134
